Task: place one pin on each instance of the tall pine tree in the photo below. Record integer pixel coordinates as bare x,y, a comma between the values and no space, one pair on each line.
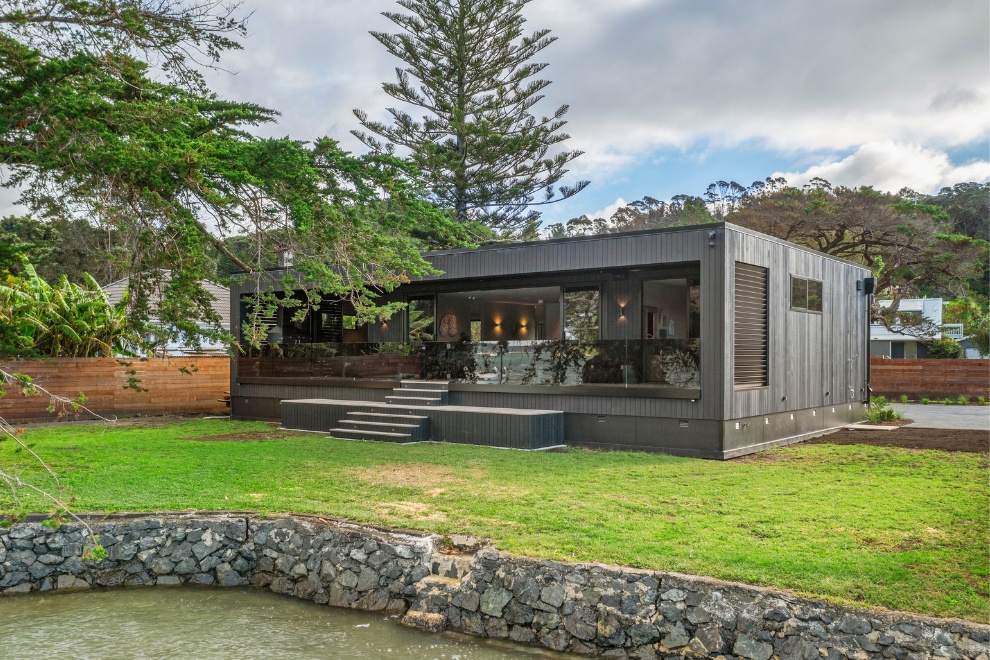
481,151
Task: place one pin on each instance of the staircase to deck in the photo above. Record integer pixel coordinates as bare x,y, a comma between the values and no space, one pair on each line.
396,424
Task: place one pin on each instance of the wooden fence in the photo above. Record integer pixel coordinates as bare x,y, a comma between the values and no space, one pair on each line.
185,385
934,379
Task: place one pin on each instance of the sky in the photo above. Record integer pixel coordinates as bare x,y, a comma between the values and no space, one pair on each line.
667,96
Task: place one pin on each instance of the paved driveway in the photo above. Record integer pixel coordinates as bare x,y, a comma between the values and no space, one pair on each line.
946,417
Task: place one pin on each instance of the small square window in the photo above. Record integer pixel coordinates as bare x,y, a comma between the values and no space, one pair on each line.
806,294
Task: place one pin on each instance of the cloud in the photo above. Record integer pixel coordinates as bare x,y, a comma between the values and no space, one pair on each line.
891,166
609,210
647,77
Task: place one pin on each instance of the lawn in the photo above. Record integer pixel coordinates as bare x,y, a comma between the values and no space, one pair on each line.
874,526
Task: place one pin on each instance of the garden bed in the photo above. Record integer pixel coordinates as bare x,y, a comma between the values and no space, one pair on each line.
941,439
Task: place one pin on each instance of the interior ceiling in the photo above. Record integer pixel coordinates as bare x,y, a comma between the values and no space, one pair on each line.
527,296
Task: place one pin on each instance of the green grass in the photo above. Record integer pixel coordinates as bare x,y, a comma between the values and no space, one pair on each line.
874,526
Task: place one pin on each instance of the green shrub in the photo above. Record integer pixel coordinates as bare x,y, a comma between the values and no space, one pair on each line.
904,398
982,400
925,401
881,411
963,400
947,401
945,348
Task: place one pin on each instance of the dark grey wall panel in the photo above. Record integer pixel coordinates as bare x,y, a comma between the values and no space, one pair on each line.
700,438
815,359
597,405
312,392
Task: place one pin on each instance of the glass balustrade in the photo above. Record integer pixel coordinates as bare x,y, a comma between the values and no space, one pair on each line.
667,363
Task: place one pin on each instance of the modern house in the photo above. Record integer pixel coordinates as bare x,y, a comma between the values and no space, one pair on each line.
711,341
898,343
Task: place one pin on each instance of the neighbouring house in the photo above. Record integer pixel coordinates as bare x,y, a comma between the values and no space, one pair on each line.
221,305
897,343
711,341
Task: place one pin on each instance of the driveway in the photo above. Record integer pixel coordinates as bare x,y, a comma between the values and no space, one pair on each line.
946,417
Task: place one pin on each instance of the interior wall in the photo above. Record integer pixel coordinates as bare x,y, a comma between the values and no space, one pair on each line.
458,307
552,314
509,315
392,330
670,300
617,294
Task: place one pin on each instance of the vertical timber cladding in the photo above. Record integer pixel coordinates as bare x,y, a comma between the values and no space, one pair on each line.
750,341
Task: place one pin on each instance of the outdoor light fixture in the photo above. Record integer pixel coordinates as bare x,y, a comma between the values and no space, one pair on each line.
711,239
622,311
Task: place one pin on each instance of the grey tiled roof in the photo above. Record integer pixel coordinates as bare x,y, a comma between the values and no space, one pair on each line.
115,292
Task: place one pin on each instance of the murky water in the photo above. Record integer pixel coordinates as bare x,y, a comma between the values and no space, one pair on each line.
214,623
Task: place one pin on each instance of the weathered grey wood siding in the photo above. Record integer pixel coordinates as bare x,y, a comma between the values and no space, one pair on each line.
815,359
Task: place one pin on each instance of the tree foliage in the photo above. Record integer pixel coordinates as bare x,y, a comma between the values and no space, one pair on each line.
945,348
974,315
62,246
172,171
468,66
910,246
647,213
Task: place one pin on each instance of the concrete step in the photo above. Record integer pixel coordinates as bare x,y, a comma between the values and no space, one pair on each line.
413,400
424,384
357,434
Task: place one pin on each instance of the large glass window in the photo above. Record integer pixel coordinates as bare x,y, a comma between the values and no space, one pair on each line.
422,320
581,314
509,315
671,327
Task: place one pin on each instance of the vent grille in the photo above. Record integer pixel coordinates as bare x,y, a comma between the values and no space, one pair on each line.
751,347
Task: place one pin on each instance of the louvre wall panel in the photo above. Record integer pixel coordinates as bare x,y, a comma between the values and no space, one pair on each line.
750,366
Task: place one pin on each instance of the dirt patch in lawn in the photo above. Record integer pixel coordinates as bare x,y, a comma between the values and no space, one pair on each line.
415,510
243,436
944,439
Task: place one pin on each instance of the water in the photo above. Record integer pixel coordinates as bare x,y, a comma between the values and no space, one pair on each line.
214,623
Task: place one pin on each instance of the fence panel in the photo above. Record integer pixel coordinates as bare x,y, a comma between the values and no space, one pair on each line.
186,385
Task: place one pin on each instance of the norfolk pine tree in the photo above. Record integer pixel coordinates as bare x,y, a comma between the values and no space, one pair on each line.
480,150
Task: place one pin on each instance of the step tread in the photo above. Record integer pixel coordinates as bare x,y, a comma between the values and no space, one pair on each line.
361,422
412,398
370,434
403,416
409,390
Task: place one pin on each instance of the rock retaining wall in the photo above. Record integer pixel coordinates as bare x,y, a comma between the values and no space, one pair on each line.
581,608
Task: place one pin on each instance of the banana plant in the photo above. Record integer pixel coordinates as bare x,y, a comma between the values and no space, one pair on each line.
64,320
